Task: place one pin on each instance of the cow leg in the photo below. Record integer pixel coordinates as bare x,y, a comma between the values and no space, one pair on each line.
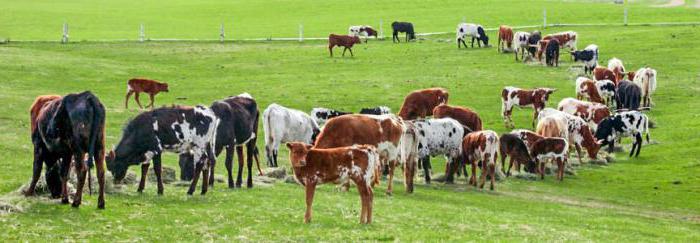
310,189
560,163
36,173
344,49
330,49
352,55
151,97
426,168
484,172
239,175
510,164
492,172
195,177
229,165
126,100
81,170
212,165
205,174
472,178
144,173
100,164
138,101
611,146
639,143
409,169
390,180
578,153
473,42
158,170
365,197
64,166
249,182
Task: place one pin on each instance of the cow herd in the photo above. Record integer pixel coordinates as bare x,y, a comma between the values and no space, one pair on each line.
328,145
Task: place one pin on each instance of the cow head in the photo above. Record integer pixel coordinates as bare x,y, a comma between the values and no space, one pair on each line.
604,133
163,87
442,96
575,55
116,167
370,31
630,75
356,40
297,153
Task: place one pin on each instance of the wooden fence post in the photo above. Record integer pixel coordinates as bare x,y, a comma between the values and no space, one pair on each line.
64,37
142,33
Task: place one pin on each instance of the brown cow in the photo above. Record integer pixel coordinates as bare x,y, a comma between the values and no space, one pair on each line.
586,88
313,166
550,148
511,145
138,85
344,41
593,113
505,36
541,47
463,115
512,96
481,146
420,103
602,73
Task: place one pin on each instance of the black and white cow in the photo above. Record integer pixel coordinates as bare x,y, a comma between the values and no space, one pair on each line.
535,37
379,110
628,95
589,57
475,31
520,44
623,124
178,129
438,137
606,89
284,125
321,115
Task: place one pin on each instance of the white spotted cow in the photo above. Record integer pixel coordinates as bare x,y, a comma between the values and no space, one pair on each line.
623,124
283,125
439,137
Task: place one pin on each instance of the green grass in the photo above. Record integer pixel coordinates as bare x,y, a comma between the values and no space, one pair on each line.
630,200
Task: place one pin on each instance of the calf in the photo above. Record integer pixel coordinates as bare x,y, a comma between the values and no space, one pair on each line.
520,44
606,89
314,166
321,115
645,78
593,113
438,137
379,110
589,57
362,30
64,130
178,129
615,65
553,148
552,53
603,73
404,27
420,103
476,32
576,131
463,115
138,85
505,38
345,41
512,96
565,39
282,125
481,148
511,145
528,137
586,88
623,124
628,95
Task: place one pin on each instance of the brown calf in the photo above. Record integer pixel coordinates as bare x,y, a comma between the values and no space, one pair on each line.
420,103
511,145
314,166
541,47
463,115
512,96
138,85
505,36
550,148
602,73
481,146
342,40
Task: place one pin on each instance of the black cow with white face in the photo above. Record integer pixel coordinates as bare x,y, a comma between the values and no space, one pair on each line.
178,129
379,110
589,57
321,115
624,124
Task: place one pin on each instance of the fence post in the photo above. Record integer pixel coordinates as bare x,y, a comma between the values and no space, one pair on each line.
222,34
301,32
381,29
142,33
544,18
625,16
64,37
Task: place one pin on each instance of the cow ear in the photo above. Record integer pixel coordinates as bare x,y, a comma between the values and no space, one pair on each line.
600,141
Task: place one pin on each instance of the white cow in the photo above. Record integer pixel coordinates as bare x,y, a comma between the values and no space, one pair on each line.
645,78
282,125
520,44
473,30
438,137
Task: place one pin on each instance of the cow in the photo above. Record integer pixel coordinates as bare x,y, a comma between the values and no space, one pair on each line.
386,132
177,129
420,103
528,137
552,53
505,38
606,89
511,145
442,136
589,57
618,69
379,110
64,130
553,148
645,78
512,96
138,85
463,115
281,125
566,39
362,30
586,88
533,43
623,124
575,129
313,166
238,128
628,95
476,32
593,113
345,41
520,44
404,27
603,73
481,148
321,115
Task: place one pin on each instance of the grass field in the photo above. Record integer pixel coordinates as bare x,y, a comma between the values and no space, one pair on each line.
651,198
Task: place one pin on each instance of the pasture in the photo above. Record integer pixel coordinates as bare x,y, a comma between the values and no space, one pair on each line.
650,198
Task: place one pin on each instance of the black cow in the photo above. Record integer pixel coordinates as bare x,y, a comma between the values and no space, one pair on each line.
178,129
379,110
552,53
64,130
533,41
321,115
628,95
629,123
402,27
238,127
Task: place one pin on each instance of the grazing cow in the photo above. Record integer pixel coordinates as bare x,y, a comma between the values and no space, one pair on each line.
420,103
566,39
603,73
505,38
178,129
623,124
463,115
615,65
441,136
345,41
512,96
64,130
520,44
575,129
528,137
476,32
404,27
362,30
379,110
321,115
552,53
586,88
645,78
282,125
357,163
628,95
589,57
593,113
553,148
386,132
533,43
541,48
511,145
606,89
238,127
481,148
138,85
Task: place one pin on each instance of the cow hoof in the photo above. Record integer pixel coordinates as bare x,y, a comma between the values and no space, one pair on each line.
101,205
64,201
75,204
388,193
160,193
231,185
28,194
249,184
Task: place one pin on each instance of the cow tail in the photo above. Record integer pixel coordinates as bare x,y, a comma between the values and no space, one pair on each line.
98,118
268,135
256,152
646,127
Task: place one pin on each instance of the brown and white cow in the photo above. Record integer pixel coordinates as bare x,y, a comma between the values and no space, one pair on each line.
586,88
384,132
463,115
138,85
541,47
481,146
603,73
512,96
420,103
575,129
553,148
313,166
593,113
615,65
566,39
505,38
528,137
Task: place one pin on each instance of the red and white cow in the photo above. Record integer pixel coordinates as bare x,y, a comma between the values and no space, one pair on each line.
616,66
481,146
591,112
576,131
566,39
603,73
553,148
512,96
586,88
